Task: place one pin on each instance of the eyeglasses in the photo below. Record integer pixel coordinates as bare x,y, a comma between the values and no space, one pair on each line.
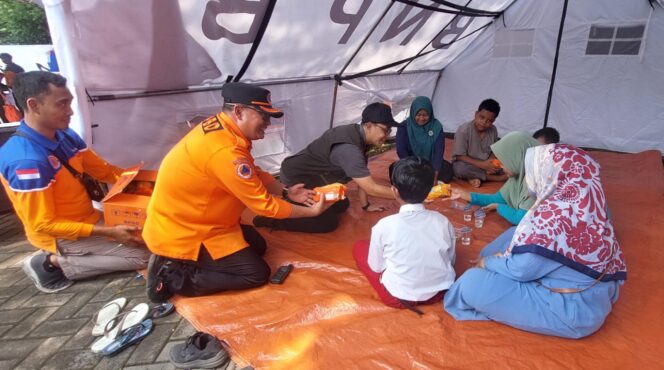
386,130
264,116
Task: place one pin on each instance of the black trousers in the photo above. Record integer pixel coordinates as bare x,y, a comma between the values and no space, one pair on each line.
324,223
243,269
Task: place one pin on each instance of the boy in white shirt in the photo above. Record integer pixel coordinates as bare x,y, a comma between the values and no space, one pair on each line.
410,256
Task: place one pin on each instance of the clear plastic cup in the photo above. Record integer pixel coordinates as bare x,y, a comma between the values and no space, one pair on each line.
466,235
455,204
468,213
457,232
479,218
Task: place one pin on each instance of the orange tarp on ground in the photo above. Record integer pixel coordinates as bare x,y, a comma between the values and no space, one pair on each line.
326,316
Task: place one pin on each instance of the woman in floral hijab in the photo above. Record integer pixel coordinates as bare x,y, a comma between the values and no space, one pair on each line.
559,271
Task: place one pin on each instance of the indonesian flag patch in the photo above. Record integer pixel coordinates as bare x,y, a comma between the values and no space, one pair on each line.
29,174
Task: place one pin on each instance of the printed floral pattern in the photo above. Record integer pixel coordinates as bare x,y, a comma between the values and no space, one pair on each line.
569,216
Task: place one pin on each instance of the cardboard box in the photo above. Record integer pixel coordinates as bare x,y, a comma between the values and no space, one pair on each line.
127,201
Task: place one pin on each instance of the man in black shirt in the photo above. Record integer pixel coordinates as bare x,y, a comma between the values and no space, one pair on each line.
339,155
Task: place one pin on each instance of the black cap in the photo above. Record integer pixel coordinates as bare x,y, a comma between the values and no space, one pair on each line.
379,113
246,94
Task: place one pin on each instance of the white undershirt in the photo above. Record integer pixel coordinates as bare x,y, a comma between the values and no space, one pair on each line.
415,251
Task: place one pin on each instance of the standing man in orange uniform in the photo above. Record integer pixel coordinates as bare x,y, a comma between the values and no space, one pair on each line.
11,69
204,184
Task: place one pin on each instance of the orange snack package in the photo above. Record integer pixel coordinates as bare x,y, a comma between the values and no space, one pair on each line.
331,192
439,191
144,188
496,163
140,188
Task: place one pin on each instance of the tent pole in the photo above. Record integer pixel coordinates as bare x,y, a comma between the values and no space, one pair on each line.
457,12
464,8
334,102
409,59
448,24
257,40
555,64
95,97
343,69
430,42
435,86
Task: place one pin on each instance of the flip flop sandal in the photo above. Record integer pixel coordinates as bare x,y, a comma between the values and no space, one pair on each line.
120,323
106,314
161,310
128,338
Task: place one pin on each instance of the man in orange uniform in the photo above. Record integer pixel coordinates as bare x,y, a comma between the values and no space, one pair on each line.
204,183
53,205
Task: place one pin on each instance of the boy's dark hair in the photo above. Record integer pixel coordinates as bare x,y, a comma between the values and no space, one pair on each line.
551,135
490,105
413,177
33,84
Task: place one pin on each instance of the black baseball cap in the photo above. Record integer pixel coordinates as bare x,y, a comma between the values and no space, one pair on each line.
246,94
379,113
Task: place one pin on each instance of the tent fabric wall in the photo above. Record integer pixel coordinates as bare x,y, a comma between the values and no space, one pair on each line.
396,90
127,131
62,28
148,127
127,47
609,102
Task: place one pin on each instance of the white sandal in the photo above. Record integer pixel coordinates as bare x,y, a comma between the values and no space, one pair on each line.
106,314
119,324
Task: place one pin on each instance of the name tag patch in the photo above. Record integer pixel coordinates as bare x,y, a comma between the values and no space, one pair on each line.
211,124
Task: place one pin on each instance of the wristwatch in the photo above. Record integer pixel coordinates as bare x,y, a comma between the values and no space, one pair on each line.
284,193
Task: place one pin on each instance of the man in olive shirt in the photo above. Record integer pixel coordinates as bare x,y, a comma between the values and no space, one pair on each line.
472,147
339,155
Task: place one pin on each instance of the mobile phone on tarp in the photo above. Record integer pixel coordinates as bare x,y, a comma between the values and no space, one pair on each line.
281,274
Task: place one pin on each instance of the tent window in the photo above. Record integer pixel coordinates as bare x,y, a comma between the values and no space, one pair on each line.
615,40
598,48
513,44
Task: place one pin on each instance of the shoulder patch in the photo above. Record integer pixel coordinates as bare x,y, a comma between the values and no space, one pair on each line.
244,170
54,162
211,124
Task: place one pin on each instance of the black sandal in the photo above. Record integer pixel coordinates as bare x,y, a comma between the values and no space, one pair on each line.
161,310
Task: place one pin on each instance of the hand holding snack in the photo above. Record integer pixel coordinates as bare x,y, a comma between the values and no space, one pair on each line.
331,192
439,191
298,193
458,193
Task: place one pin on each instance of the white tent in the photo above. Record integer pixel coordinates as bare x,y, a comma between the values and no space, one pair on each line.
142,69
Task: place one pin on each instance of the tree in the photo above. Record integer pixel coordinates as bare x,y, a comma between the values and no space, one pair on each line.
22,22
